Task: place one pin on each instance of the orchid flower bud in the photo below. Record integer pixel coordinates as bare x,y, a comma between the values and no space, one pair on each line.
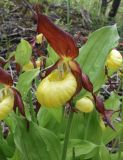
56,89
6,102
84,105
39,38
114,60
29,66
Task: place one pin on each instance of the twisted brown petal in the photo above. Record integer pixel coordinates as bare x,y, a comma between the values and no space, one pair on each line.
106,114
18,101
76,70
86,83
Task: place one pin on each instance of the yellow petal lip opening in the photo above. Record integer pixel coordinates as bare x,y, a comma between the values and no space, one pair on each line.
114,60
56,89
84,105
66,59
6,102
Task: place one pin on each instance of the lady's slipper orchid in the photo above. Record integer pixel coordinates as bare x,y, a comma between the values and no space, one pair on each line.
6,79
65,46
6,102
60,87
114,60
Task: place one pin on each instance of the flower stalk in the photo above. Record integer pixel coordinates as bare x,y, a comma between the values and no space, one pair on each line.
67,134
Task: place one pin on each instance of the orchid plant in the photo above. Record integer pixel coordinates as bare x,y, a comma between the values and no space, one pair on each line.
67,49
58,120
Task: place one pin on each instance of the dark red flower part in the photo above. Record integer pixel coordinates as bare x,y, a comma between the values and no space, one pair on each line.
76,70
99,104
18,68
18,102
61,41
86,83
106,114
5,77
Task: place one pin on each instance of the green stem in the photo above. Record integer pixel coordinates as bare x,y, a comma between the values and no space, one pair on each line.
67,133
87,121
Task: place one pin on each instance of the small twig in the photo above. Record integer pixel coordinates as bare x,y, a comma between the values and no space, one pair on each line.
15,9
30,7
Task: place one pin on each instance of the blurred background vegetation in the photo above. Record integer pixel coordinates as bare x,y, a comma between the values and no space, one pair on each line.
101,12
79,17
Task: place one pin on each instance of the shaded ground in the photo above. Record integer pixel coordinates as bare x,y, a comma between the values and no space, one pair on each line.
16,22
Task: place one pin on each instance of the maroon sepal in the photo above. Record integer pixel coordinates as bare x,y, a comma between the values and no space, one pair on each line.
5,77
18,68
61,41
76,70
86,83
18,101
106,114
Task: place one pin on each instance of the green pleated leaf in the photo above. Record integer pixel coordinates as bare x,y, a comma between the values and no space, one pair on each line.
113,102
5,149
17,156
36,143
93,54
25,81
23,52
2,156
92,130
81,147
104,153
55,112
109,134
48,120
115,156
